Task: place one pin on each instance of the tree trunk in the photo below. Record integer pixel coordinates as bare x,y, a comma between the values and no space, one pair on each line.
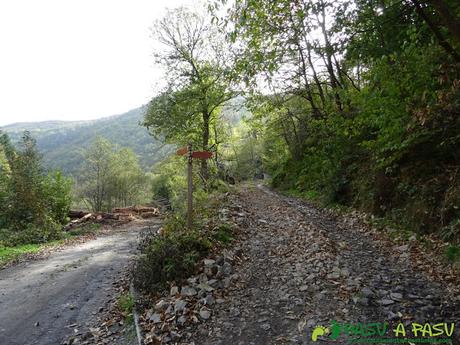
448,17
205,144
437,33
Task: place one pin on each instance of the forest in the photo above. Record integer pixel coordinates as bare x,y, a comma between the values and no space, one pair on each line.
352,103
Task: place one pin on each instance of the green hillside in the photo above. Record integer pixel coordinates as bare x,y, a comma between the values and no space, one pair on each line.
62,142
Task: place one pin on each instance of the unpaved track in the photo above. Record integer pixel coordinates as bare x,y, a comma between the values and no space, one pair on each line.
43,302
304,268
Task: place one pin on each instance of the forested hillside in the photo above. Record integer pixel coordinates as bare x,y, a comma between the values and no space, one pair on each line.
360,103
353,103
62,142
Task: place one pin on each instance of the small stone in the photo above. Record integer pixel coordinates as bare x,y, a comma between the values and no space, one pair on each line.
205,287
385,301
182,320
174,291
333,275
220,260
226,282
155,318
265,326
363,301
233,311
344,272
403,248
396,296
227,269
192,281
209,300
303,288
202,278
174,335
311,323
161,305
188,291
366,292
212,282
209,262
210,271
205,313
170,310
179,305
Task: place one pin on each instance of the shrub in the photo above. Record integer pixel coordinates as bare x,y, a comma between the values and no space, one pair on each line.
168,258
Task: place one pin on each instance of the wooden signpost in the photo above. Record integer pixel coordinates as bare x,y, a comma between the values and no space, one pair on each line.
190,155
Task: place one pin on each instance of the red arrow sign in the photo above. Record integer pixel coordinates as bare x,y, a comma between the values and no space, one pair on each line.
202,154
182,151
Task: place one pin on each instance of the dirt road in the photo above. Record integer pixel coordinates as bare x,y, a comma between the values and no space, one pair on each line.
43,302
305,268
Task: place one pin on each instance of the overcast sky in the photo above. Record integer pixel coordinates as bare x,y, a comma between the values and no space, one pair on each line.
76,59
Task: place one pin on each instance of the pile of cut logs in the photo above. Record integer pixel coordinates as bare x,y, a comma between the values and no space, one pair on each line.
124,214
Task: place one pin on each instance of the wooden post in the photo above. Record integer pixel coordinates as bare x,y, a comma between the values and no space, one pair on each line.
190,187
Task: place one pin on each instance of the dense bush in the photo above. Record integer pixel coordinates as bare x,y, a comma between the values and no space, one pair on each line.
33,205
169,258
173,255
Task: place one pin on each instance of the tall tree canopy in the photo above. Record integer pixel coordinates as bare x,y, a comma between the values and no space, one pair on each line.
198,73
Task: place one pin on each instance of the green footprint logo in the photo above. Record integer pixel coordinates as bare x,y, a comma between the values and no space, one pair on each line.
319,331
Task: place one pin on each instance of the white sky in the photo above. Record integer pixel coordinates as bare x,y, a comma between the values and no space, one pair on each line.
76,59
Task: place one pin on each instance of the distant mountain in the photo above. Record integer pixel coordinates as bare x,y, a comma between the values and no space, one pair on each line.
62,142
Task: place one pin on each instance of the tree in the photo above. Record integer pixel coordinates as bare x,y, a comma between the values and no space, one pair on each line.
32,204
128,179
96,173
198,80
28,202
110,177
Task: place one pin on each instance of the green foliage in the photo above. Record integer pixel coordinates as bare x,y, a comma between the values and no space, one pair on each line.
9,254
169,258
125,303
110,177
222,234
33,205
453,253
169,182
57,189
173,255
376,124
198,82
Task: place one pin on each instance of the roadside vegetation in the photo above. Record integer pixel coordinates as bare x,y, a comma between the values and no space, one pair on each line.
351,104
35,203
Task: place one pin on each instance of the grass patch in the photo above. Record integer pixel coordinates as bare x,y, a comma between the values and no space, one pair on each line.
222,234
125,304
453,253
9,254
12,253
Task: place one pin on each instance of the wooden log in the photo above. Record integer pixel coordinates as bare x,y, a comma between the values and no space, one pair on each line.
77,214
75,222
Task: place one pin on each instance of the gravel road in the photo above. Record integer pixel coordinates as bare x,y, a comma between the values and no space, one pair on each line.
45,301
